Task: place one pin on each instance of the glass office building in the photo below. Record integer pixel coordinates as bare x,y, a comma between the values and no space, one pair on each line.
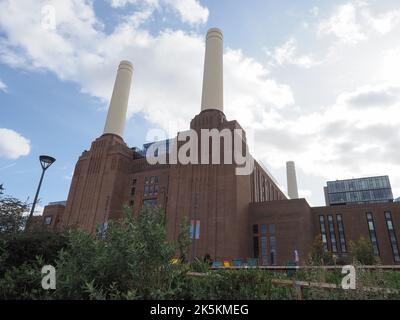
361,190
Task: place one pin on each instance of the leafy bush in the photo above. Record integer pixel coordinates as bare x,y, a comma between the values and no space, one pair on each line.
12,220
133,260
318,255
25,247
363,252
245,284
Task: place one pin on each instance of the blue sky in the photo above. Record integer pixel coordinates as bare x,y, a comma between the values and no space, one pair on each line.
317,82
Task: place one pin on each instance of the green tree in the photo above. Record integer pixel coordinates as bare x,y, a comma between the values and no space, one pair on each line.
318,254
184,240
363,252
132,260
12,220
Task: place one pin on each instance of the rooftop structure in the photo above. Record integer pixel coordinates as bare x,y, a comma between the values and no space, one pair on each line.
359,190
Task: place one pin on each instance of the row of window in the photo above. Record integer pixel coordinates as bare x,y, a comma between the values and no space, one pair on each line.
267,257
151,190
361,196
372,234
151,186
332,234
151,180
392,234
358,184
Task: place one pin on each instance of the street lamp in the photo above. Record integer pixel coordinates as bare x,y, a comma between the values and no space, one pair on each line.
45,162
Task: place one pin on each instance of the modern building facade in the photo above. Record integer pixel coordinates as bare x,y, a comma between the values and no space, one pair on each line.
232,216
360,190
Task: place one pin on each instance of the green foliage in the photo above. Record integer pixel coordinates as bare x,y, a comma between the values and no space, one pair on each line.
12,220
362,252
246,284
319,256
183,240
3,253
25,247
132,260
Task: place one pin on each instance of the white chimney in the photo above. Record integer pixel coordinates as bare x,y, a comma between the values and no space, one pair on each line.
116,117
291,180
213,95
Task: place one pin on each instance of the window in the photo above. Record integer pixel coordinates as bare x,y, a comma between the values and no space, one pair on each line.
255,228
102,230
264,257
264,229
323,232
342,238
255,247
47,220
372,233
272,243
134,181
392,236
195,229
272,228
150,202
332,233
133,191
151,186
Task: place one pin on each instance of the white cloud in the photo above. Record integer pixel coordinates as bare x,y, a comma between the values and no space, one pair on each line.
314,11
390,68
190,11
12,144
352,132
355,22
381,23
305,193
287,55
168,66
356,136
344,25
3,86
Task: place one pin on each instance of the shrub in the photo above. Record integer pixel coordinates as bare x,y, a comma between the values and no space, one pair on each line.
363,252
318,255
25,247
133,260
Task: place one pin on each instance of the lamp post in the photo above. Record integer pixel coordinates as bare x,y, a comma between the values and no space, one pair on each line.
45,162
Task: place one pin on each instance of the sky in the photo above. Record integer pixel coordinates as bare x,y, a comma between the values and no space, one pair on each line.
316,82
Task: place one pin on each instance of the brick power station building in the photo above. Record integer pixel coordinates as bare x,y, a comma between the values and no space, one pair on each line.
233,216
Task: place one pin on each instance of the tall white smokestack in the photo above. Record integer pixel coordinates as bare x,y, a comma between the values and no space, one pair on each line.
291,180
116,116
213,95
